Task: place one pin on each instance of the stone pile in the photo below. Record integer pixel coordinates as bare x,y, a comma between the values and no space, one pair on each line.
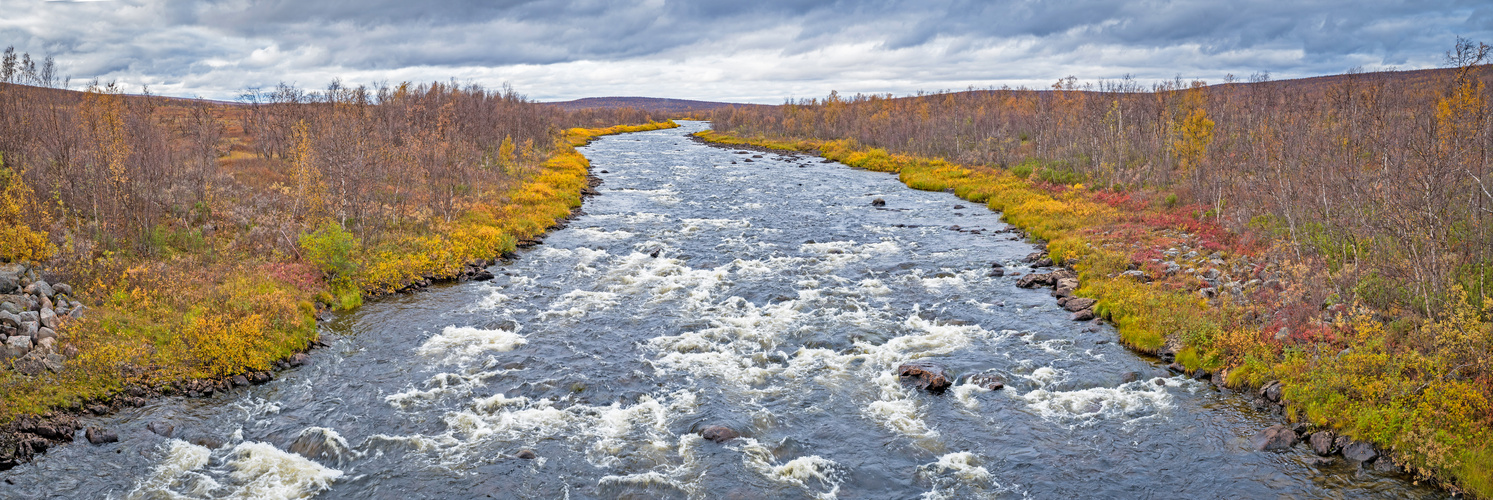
32,312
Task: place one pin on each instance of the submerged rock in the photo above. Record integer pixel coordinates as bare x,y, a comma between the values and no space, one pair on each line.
719,433
527,455
1275,438
163,429
927,376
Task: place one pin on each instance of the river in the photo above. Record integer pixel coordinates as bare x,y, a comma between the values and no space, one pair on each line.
768,296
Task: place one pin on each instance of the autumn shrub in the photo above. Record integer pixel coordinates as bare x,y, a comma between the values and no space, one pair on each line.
332,249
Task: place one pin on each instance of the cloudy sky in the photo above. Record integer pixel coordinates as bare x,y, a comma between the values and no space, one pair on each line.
729,50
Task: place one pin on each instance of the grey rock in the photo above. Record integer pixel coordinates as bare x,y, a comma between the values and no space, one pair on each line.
1359,451
17,346
40,288
63,288
527,455
1207,292
30,366
1275,438
48,318
1136,274
1283,334
8,318
1172,267
31,316
54,362
1273,393
299,359
1129,377
11,307
29,328
97,436
1079,303
1322,443
43,344
1084,315
8,283
1036,280
1341,442
878,202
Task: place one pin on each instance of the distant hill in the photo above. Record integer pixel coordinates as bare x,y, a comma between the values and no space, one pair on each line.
651,104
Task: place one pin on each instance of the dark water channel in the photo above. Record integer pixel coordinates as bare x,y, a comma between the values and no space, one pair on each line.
765,296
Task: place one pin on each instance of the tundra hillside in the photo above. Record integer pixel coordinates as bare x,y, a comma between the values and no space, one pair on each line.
201,239
1332,234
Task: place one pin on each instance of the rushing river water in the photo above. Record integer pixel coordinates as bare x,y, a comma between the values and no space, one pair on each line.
766,296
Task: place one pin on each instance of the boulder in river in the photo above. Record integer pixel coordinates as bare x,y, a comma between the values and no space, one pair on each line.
1084,315
878,202
719,433
1359,451
987,380
299,359
97,435
319,444
527,455
1275,438
927,376
1322,443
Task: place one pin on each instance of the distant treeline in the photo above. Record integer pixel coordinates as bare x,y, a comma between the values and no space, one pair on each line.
1384,177
104,170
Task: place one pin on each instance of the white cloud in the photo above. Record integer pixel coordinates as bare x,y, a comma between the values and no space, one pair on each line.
740,51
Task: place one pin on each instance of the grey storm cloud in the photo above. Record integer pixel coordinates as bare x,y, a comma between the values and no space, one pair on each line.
754,50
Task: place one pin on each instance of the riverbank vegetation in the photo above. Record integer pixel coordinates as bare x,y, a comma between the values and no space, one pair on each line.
1332,233
205,237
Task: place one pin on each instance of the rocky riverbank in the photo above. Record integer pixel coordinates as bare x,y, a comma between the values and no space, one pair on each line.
34,314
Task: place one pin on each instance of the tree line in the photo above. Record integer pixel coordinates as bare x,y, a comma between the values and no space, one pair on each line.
103,170
1383,178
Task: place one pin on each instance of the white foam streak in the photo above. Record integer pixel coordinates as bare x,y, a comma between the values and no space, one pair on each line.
254,470
462,344
808,472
